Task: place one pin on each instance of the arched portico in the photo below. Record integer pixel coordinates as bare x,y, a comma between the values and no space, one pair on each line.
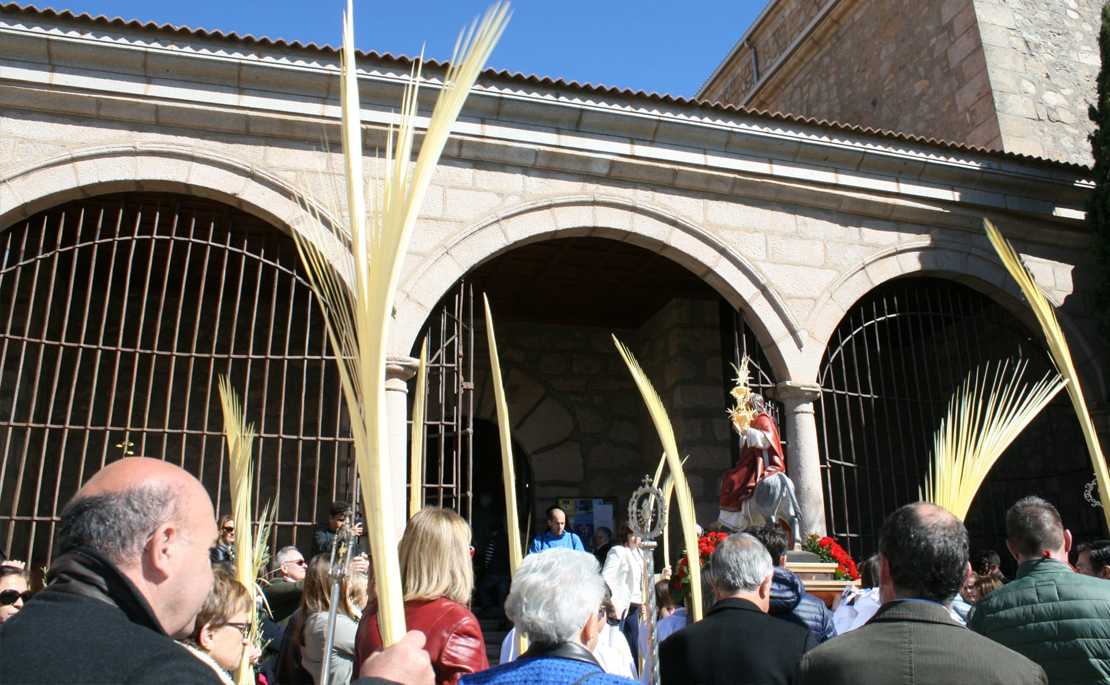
732,275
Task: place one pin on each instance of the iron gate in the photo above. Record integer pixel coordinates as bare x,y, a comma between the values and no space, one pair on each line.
118,313
888,374
449,422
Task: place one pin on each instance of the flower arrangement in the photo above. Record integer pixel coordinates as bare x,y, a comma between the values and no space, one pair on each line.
680,579
827,549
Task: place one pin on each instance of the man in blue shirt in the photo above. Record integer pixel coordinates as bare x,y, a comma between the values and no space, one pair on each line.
556,534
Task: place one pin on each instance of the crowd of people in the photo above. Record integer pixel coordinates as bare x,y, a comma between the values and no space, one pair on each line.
142,591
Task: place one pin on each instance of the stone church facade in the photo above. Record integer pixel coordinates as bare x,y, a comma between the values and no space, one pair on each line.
786,223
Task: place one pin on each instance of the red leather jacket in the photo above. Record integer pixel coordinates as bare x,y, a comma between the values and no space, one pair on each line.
455,640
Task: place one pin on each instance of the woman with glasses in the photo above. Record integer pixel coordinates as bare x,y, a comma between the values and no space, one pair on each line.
223,625
224,551
14,591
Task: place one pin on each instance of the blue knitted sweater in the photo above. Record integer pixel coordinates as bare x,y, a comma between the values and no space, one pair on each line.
545,671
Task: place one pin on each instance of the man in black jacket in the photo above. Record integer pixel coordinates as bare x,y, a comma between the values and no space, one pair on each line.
912,639
736,642
132,575
789,599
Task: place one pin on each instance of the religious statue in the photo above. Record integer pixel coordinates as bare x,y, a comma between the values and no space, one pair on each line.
756,490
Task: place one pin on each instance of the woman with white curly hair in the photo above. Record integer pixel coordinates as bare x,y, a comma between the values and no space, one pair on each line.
556,601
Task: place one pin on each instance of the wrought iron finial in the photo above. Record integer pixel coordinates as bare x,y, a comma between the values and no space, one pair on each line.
1089,493
647,512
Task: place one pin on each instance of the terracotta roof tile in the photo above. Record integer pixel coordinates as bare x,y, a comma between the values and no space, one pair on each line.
537,80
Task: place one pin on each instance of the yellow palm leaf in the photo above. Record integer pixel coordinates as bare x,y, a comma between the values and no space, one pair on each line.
682,489
508,468
240,443
984,417
1061,355
356,285
416,464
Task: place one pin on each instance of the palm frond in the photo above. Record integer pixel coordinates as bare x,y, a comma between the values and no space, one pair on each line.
416,463
682,489
508,468
356,292
985,415
240,443
1061,355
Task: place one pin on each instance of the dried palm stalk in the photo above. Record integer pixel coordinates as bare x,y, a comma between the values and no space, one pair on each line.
240,442
416,464
984,417
1061,355
356,295
508,468
682,489
668,491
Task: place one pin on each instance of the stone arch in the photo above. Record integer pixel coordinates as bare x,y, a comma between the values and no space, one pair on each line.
976,266
150,166
712,260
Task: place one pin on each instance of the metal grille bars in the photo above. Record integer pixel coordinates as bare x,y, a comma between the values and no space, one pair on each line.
117,314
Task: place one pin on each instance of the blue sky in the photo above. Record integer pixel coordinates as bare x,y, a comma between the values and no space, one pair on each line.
652,45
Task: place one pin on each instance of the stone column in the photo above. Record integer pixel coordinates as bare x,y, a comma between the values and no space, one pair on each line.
804,467
398,370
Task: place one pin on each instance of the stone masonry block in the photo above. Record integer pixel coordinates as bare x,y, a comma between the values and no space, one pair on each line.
522,391
549,424
734,215
477,246
562,463
799,281
796,251
469,204
509,180
997,15
454,174
627,432
616,218
573,216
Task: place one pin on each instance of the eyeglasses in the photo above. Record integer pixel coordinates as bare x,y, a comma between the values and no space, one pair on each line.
244,628
9,597
229,530
298,562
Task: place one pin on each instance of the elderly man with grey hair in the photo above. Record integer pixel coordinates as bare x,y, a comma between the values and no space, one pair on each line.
284,592
737,641
556,601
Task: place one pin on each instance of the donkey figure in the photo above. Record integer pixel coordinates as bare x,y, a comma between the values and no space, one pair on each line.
774,500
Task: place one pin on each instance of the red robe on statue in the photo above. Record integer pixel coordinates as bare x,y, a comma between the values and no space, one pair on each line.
740,481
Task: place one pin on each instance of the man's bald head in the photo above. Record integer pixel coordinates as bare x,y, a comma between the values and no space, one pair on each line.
118,508
925,550
155,523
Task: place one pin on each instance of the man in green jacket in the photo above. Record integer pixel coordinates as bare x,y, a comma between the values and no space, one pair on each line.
1049,613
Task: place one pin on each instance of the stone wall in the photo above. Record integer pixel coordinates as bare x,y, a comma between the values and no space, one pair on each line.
1014,75
901,65
577,413
768,42
1043,61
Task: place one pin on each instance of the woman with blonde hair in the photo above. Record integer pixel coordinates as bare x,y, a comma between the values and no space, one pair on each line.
438,580
310,631
223,625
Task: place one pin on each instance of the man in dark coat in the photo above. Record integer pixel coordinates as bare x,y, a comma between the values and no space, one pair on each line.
912,639
132,576
789,599
736,642
133,573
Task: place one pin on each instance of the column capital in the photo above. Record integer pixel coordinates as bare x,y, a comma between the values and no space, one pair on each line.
789,391
398,370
